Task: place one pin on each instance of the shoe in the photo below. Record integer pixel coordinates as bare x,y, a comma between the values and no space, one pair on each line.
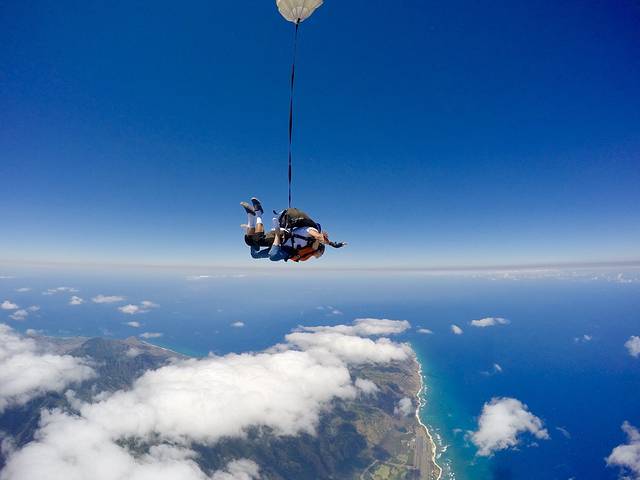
248,208
257,206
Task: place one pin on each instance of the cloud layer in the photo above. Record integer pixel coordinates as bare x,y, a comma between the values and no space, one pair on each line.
501,424
285,388
26,372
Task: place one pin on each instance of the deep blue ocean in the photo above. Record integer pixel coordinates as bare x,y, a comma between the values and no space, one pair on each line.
582,389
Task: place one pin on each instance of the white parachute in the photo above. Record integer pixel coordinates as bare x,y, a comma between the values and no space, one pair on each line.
297,11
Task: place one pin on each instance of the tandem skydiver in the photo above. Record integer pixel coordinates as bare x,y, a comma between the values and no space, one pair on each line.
294,236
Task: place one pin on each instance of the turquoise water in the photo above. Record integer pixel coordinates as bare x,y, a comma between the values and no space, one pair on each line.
585,388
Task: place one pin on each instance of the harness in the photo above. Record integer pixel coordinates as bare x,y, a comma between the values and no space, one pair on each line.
303,254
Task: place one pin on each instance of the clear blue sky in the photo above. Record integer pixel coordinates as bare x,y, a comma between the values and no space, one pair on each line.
428,133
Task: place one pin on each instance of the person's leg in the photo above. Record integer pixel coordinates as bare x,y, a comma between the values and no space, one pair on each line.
259,225
255,253
277,253
251,218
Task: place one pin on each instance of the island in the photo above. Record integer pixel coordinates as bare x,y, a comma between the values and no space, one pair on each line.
376,436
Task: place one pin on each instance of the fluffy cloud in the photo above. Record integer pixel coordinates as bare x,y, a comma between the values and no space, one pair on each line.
19,315
131,309
404,408
53,291
627,456
425,331
633,346
144,307
237,324
148,335
366,386
489,322
348,348
456,330
501,424
134,324
27,372
238,470
366,327
75,300
107,299
23,289
285,388
8,305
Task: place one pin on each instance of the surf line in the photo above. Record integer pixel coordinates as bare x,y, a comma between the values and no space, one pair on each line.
426,429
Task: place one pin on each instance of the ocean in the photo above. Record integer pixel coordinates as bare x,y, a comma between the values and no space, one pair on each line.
562,352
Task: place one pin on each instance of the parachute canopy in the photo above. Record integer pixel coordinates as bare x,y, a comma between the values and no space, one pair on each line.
297,10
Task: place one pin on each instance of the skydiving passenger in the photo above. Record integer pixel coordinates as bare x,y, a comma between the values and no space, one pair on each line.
294,235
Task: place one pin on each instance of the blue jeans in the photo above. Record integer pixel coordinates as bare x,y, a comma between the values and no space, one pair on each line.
275,253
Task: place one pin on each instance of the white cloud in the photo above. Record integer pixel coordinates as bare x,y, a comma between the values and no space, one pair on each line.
19,315
348,348
53,291
133,352
237,324
489,322
238,470
425,331
366,327
502,422
565,433
583,338
33,308
404,407
633,346
366,386
456,330
27,372
131,309
134,324
627,456
107,299
75,300
8,305
148,335
285,389
144,307
495,369
23,289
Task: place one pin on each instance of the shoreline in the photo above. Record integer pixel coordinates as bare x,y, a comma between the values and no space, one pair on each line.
426,429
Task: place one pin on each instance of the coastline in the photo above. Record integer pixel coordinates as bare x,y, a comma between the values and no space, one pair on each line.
419,406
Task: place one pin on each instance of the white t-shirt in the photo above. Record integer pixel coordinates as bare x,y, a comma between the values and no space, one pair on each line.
302,232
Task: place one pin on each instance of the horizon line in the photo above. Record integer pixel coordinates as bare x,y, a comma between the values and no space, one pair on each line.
391,268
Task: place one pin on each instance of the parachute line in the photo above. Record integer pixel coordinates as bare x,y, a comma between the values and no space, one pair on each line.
293,77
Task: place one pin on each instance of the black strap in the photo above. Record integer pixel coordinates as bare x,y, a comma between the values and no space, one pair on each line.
293,76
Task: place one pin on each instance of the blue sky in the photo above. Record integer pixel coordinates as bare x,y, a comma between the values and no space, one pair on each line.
427,133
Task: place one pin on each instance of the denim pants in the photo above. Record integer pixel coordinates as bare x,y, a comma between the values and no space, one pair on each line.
275,253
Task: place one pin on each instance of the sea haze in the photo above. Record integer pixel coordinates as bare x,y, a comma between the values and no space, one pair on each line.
556,342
